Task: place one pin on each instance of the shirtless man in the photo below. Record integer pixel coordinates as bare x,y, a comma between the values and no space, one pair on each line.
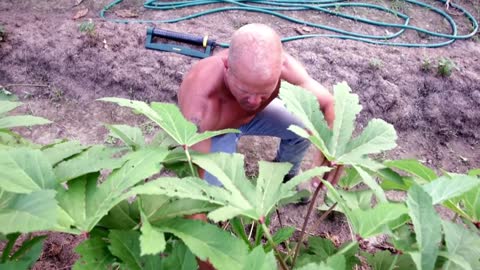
238,88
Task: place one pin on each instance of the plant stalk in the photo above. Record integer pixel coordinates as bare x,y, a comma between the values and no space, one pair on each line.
324,215
270,240
287,242
251,230
331,177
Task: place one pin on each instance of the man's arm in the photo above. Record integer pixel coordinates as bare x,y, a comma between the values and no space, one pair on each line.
294,73
193,103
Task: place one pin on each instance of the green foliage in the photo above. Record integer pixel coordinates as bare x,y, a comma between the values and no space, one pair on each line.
92,159
25,170
9,138
94,201
257,259
358,199
57,152
131,136
351,179
384,260
180,258
208,241
336,262
323,250
445,67
26,254
17,120
94,254
30,212
239,196
152,240
427,226
463,247
125,245
170,119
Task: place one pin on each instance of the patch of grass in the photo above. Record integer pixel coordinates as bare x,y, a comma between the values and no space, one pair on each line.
445,67
375,63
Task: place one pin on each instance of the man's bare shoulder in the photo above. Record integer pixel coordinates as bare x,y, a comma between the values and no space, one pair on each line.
206,70
202,80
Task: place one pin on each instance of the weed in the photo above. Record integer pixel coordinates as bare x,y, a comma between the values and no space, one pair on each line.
4,91
3,33
375,63
426,64
445,67
399,6
338,8
56,94
88,27
476,38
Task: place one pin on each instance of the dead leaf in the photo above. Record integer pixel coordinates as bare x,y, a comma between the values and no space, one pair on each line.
77,2
126,13
303,30
307,29
81,13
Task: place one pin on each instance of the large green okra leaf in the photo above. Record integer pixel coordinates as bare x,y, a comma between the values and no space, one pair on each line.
337,144
238,196
86,202
170,119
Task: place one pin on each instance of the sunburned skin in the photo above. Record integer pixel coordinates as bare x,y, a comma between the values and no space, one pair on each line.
228,89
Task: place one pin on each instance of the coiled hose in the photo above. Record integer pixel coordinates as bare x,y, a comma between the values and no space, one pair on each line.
332,7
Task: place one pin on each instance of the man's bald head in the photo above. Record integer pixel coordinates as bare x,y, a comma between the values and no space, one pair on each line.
256,50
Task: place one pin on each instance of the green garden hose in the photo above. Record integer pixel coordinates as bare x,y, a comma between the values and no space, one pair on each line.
275,7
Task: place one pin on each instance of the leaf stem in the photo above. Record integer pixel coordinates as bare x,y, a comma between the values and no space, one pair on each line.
270,240
189,158
331,177
251,230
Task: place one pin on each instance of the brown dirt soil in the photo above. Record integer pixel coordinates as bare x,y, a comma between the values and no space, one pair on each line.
59,72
